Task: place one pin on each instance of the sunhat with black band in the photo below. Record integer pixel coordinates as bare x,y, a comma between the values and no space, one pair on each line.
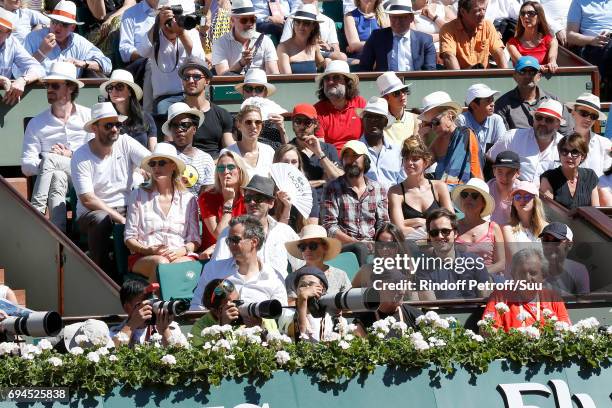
256,76
398,7
588,100
103,110
479,186
166,151
312,231
179,108
63,71
243,8
337,67
307,12
124,77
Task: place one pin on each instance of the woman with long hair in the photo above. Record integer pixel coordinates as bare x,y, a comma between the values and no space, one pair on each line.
533,37
301,53
360,22
162,218
225,201
125,95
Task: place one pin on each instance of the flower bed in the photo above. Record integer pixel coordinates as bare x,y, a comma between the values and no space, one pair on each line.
240,353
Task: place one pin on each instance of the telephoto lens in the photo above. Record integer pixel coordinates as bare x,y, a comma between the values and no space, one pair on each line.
173,307
355,300
267,309
35,324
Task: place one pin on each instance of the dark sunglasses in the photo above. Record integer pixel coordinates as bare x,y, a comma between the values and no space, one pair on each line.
375,118
118,86
303,122
400,92
547,119
523,197
229,167
52,85
566,152
585,114
247,20
529,13
465,194
253,89
110,125
308,245
155,163
257,198
182,126
437,231
233,239
334,78
250,122
530,72
65,25
195,77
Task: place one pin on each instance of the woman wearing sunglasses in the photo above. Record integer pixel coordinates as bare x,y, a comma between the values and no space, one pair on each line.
480,237
224,202
570,185
162,217
586,111
533,37
125,95
180,129
301,53
257,156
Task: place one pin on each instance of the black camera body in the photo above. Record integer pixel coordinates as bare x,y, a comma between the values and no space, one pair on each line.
187,21
175,307
267,309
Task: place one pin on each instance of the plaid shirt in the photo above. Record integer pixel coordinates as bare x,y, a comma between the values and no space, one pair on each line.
358,217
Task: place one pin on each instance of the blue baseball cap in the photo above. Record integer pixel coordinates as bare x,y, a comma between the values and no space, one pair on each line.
526,62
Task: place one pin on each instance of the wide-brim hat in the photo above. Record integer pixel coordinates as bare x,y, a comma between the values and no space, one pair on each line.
307,12
163,150
7,18
100,111
96,331
398,7
552,108
312,231
125,77
256,76
337,67
480,186
588,100
243,8
389,82
179,108
65,11
436,101
377,106
63,71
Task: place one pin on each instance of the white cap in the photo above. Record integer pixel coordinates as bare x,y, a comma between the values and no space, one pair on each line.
378,106
479,91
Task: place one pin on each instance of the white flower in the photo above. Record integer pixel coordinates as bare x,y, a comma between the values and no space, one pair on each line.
122,338
432,317
93,357
103,351
478,338
332,336
9,348
45,344
436,342
381,335
399,326
487,320
441,323
277,337
55,361
420,319
222,343
416,337
381,326
451,320
502,308
547,313
31,349
561,326
522,316
113,358
530,331
282,357
225,328
76,351
230,357
421,345
177,339
344,345
27,356
590,323
168,359
349,337
80,339
156,337
189,336
207,345
211,331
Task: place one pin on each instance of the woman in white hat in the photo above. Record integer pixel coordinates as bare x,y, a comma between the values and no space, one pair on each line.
479,236
586,111
360,22
314,247
125,95
180,129
301,53
162,218
395,92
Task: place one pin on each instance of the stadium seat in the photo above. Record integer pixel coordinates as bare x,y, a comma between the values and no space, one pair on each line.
347,261
178,280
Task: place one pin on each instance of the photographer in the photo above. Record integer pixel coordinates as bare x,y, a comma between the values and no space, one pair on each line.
167,45
138,326
310,283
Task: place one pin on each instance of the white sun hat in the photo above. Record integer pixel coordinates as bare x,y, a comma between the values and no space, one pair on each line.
256,76
307,12
125,77
436,100
65,11
7,18
552,108
337,67
588,100
482,187
398,7
179,108
63,71
102,110
479,91
243,8
166,151
389,82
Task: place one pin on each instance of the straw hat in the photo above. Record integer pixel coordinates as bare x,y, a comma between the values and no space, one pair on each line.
378,106
256,76
243,8
102,110
7,19
434,102
66,12
163,150
307,12
389,82
179,108
96,332
63,71
482,187
398,7
125,77
337,67
552,108
588,100
312,231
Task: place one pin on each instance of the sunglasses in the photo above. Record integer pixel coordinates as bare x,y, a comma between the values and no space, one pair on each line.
334,78
547,119
247,20
375,118
585,114
60,23
465,194
250,122
195,77
437,231
229,167
530,72
308,245
110,125
523,197
573,153
118,86
182,126
529,13
400,92
155,163
233,239
52,85
254,89
303,122
256,198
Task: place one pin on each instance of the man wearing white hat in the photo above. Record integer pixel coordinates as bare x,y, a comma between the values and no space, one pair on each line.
395,92
385,158
50,139
488,126
13,57
536,146
398,48
60,42
102,177
242,47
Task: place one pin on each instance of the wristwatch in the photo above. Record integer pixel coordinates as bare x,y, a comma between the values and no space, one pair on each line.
322,156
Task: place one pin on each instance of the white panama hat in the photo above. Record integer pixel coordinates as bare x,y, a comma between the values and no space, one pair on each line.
125,77
256,76
164,150
179,108
63,71
66,12
482,187
102,110
389,82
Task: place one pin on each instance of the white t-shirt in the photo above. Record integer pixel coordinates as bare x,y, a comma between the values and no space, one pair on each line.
327,27
598,158
264,162
227,49
110,178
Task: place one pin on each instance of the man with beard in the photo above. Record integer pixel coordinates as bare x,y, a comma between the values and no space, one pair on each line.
216,130
50,139
338,98
516,106
536,146
102,176
353,207
385,157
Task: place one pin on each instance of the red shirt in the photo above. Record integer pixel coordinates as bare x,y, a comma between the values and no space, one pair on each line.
211,205
539,52
339,126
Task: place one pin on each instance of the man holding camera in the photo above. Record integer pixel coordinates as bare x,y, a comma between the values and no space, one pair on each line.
310,284
142,321
255,280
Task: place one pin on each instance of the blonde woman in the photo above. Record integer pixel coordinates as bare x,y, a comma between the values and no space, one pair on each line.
359,24
162,218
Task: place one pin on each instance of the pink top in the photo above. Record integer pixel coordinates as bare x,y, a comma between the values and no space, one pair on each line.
483,247
501,213
146,223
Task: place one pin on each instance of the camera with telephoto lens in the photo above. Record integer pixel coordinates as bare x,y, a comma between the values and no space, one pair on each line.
268,309
34,324
187,21
175,307
355,300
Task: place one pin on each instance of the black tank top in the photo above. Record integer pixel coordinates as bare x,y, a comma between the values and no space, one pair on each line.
410,212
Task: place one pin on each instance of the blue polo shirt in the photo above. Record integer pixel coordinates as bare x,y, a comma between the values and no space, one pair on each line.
593,16
488,132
